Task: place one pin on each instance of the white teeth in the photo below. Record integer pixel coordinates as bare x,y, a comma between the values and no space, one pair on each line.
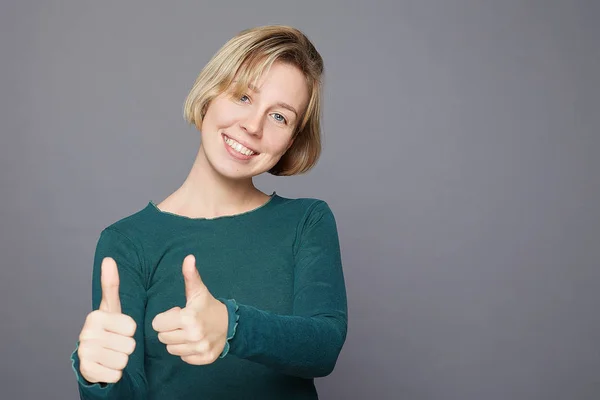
238,147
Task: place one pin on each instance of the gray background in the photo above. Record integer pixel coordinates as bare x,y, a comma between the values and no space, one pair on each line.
461,142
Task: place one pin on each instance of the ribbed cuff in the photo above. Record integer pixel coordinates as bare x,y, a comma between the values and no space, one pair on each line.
233,317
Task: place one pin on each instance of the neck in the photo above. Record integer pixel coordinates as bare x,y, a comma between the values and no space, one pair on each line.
207,194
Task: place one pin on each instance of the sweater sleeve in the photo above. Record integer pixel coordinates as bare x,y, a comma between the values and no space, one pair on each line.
308,342
132,385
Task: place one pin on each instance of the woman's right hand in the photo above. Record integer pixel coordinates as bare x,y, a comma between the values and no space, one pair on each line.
106,339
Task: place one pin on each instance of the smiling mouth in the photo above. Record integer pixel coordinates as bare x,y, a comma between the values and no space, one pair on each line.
238,147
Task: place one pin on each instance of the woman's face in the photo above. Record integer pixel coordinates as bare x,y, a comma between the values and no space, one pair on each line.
246,136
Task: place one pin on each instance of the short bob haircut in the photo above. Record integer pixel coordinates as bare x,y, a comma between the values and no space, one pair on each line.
245,58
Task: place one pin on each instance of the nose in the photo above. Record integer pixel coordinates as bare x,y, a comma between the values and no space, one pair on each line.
252,123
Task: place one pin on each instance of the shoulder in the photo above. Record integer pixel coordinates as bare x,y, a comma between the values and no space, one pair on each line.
308,214
314,223
304,205
302,210
131,228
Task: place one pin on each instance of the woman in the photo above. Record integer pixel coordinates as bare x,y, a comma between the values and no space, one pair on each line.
222,291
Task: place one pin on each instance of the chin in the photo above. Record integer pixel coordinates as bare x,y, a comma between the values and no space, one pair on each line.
233,172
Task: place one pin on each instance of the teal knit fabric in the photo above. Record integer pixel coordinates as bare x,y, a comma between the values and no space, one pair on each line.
277,268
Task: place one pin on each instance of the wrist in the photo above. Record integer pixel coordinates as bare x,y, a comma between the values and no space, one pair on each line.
232,323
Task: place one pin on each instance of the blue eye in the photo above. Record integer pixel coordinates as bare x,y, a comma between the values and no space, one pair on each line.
279,118
244,98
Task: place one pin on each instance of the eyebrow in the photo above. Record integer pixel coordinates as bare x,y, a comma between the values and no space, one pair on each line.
280,104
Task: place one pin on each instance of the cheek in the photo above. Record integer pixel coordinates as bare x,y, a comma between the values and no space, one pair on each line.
279,144
219,116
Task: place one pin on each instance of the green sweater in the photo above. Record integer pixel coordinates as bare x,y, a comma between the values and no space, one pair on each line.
277,268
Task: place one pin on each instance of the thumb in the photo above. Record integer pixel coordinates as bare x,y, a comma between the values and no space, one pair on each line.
110,286
193,283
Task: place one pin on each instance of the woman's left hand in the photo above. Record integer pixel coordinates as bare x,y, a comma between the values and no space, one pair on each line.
198,332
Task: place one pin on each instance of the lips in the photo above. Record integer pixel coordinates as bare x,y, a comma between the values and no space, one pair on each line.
226,137
237,150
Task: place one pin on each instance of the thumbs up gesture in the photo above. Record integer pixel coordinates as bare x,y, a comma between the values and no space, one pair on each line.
198,332
106,339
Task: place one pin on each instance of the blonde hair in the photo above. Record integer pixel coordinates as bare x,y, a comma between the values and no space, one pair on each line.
246,57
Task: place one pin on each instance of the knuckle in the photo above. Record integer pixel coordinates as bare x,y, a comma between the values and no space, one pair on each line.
155,323
122,361
84,368
202,347
83,336
114,376
131,326
89,332
193,335
82,352
199,348
130,346
85,351
92,318
212,356
170,350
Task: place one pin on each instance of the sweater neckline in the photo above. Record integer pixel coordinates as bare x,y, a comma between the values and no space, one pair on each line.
153,206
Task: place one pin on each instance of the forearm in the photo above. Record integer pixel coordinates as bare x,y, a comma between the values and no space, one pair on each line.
301,346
